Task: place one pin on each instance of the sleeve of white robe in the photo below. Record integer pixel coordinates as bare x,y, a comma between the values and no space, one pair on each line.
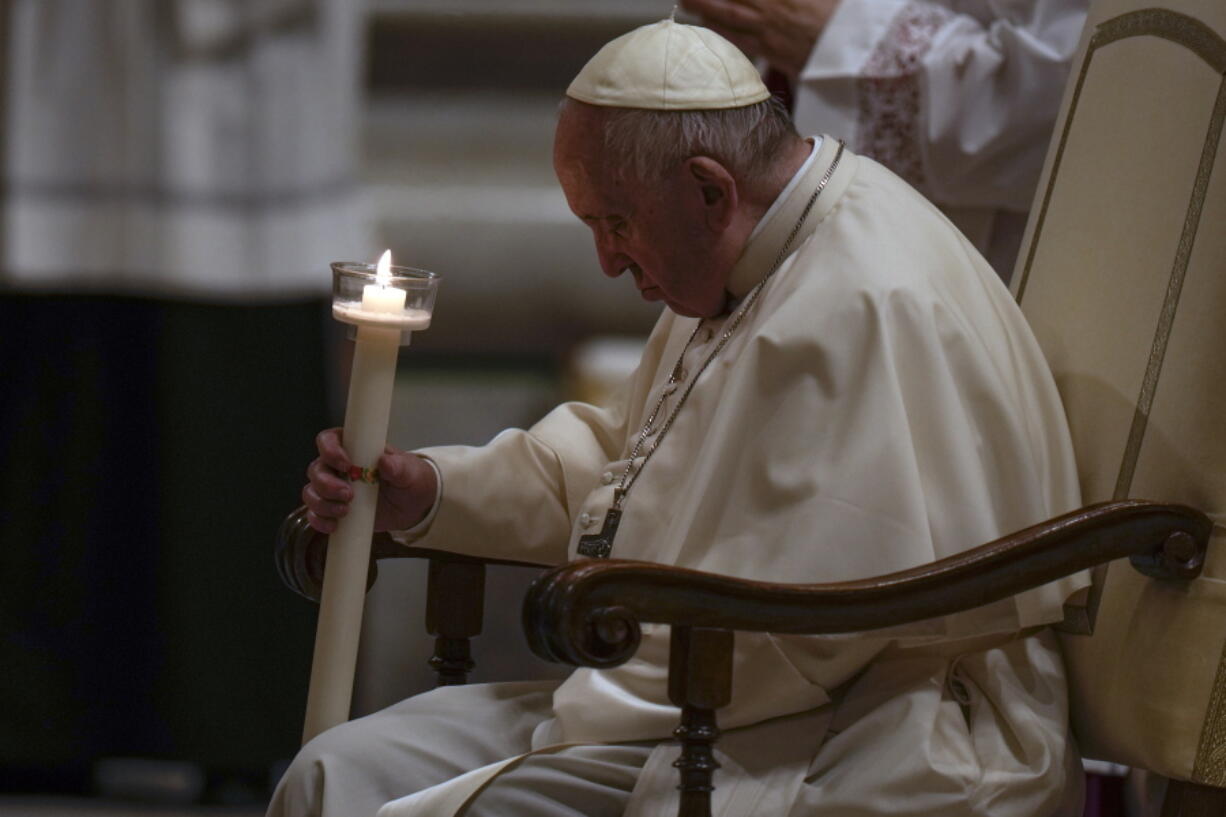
959,98
512,498
516,497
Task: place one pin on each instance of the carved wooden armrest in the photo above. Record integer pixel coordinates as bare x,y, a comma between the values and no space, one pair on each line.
455,587
588,612
301,551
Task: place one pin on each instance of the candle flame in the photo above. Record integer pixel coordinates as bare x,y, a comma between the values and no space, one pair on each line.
383,270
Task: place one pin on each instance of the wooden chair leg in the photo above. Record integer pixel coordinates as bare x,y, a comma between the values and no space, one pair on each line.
1193,800
452,661
700,682
455,608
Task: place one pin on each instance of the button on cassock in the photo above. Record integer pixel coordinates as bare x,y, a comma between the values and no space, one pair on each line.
586,519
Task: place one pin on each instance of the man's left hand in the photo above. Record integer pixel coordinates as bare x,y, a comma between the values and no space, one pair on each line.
782,32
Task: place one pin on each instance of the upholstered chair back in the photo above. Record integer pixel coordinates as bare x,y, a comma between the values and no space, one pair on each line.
1123,277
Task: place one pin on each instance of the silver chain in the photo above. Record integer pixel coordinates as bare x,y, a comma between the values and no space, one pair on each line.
631,474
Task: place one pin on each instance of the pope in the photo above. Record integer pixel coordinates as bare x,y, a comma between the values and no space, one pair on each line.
838,386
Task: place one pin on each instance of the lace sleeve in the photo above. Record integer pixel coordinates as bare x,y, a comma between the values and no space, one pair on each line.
889,92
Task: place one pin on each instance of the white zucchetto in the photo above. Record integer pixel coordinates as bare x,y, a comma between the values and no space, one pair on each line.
669,66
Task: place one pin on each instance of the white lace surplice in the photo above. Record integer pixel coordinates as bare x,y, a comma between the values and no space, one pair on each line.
958,97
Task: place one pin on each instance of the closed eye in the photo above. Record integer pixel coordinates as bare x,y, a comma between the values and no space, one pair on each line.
615,226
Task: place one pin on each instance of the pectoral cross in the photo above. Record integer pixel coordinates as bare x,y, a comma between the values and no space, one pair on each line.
600,545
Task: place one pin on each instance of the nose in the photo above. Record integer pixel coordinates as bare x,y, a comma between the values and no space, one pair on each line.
610,264
612,261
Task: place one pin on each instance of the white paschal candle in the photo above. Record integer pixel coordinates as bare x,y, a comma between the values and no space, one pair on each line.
366,418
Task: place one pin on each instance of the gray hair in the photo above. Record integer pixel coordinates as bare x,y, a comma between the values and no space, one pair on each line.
645,144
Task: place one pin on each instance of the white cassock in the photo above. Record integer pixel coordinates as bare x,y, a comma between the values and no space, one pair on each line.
958,97
882,405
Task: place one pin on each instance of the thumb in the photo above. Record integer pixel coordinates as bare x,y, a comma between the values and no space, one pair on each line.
396,468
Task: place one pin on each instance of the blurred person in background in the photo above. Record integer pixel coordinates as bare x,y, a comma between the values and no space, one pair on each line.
959,98
176,176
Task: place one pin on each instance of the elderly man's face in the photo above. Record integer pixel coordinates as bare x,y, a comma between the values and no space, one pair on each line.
653,231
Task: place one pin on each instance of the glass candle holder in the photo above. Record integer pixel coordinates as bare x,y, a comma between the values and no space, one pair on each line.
402,300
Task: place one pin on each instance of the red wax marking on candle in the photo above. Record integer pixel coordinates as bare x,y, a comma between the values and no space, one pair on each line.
367,475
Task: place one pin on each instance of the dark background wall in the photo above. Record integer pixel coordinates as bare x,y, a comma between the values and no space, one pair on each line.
150,449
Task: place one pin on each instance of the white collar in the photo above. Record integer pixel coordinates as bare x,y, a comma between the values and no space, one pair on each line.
816,141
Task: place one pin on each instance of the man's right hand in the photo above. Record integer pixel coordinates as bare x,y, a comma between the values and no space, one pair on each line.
783,32
407,486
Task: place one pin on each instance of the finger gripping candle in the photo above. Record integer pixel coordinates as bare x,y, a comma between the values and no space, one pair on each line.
383,305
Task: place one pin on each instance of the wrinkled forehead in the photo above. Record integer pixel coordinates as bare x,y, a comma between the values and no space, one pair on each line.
579,136
579,154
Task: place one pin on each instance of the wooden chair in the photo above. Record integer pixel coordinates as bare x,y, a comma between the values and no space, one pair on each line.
1124,282
587,613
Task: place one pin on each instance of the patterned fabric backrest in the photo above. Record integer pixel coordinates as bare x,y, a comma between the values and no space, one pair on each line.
1123,277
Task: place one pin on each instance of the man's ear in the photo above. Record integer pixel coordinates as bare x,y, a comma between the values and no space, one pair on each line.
713,190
